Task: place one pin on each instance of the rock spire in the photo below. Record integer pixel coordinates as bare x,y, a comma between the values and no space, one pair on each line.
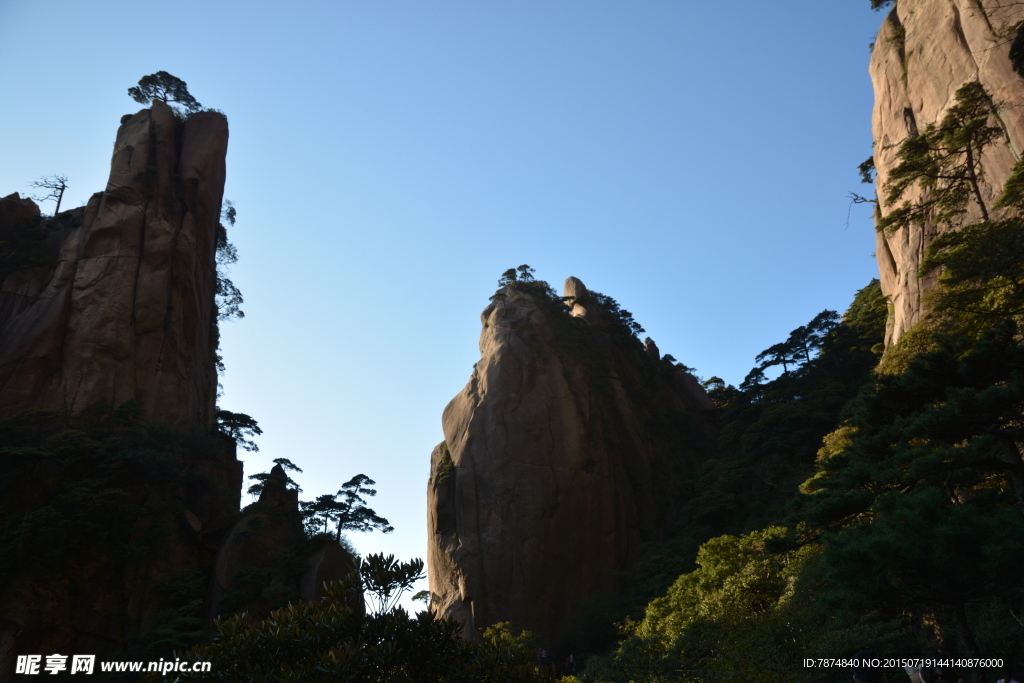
552,473
127,313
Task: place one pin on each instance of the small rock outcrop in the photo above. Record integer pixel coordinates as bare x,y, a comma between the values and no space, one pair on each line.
256,565
569,447
581,303
925,51
15,210
652,349
127,311
330,563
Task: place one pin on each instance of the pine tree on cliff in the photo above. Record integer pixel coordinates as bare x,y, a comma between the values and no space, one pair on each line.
979,265
166,88
943,160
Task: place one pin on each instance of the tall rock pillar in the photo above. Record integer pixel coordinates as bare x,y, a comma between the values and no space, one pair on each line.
569,448
128,311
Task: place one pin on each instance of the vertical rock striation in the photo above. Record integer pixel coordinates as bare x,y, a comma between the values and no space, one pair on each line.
128,311
569,448
926,50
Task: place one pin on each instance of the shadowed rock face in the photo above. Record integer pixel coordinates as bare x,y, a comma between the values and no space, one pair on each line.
127,313
569,447
947,43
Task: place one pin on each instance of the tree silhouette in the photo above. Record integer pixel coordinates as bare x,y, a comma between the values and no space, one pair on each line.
262,478
346,509
385,579
783,353
522,274
228,297
56,184
317,512
238,426
166,88
801,342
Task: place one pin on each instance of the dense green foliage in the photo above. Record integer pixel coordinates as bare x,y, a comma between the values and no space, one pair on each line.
332,640
770,430
908,537
746,613
97,495
918,499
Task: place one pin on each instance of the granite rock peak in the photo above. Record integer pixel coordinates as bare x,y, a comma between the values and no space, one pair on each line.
552,474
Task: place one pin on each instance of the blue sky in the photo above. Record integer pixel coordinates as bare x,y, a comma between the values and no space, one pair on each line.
389,160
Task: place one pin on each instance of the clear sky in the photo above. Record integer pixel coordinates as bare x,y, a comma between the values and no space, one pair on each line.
388,160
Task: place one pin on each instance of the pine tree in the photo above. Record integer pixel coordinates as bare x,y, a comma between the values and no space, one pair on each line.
943,161
166,88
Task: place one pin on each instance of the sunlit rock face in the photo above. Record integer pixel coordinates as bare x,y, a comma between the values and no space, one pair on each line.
128,311
569,447
944,44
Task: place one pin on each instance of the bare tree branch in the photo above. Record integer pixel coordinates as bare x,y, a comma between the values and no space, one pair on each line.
56,184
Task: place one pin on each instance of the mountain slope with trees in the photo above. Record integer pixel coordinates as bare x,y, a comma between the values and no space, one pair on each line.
908,536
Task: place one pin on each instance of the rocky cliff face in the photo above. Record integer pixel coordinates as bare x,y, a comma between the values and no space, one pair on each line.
109,521
127,312
120,530
926,50
570,446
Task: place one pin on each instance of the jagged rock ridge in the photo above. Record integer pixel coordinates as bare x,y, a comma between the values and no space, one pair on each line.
570,447
924,52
